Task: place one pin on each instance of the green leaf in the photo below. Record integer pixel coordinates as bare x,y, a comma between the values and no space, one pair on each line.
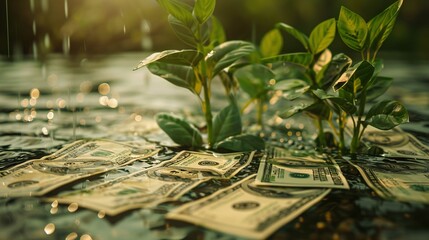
227,53
203,10
179,57
292,88
179,10
241,143
336,67
324,59
301,37
319,110
386,115
180,131
217,33
352,29
182,31
294,109
227,123
381,25
339,102
271,43
378,87
303,59
322,36
253,79
179,75
355,78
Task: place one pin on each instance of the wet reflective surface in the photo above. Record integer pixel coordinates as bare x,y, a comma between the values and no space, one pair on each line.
46,105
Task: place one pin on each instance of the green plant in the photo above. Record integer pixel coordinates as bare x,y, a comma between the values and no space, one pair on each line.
338,90
307,73
256,79
194,69
361,83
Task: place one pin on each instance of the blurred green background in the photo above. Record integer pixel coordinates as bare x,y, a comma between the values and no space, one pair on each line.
86,27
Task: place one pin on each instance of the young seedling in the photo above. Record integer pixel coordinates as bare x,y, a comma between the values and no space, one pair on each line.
194,69
361,83
256,79
309,65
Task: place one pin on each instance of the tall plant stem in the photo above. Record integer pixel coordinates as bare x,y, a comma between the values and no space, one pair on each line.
341,126
208,113
322,139
356,130
260,113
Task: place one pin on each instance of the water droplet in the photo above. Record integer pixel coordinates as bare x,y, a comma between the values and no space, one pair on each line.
71,236
101,214
73,207
86,237
49,228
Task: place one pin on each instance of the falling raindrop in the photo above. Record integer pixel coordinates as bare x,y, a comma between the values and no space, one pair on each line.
66,9
7,30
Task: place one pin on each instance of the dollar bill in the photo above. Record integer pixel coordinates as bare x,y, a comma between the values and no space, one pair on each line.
398,179
166,182
218,165
247,210
396,143
278,169
78,160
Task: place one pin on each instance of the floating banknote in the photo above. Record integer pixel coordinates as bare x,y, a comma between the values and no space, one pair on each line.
396,143
247,210
150,187
307,171
399,179
78,160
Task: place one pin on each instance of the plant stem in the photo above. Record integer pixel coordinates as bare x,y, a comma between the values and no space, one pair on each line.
208,113
260,113
322,139
356,130
341,126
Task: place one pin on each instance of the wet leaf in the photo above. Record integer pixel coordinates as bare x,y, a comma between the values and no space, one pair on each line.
322,36
338,101
227,123
336,67
241,143
380,27
386,115
303,59
301,37
227,53
180,131
292,110
378,87
292,88
180,57
253,79
352,29
179,75
355,78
